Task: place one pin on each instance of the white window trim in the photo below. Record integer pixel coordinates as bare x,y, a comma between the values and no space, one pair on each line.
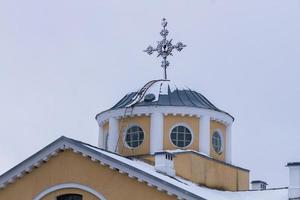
188,127
222,141
125,132
69,186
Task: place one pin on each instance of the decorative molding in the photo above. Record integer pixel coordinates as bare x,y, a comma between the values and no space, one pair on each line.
186,125
29,164
103,159
221,134
124,133
69,186
166,110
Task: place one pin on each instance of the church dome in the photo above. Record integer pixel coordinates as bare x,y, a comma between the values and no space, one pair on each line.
165,93
164,116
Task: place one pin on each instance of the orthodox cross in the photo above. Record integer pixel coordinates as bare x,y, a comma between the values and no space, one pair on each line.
165,47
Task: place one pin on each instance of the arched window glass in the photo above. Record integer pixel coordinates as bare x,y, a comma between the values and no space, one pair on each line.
217,142
69,197
134,136
181,136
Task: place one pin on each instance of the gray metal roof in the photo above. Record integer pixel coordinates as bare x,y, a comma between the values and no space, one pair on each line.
166,94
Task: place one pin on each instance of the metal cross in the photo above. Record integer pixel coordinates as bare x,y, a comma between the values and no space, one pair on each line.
165,47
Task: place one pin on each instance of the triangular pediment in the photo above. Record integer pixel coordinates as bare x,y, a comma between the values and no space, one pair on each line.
114,162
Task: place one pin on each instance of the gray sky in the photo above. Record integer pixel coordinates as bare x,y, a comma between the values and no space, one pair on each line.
63,61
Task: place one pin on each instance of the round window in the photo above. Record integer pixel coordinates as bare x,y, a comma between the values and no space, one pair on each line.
181,136
217,141
134,136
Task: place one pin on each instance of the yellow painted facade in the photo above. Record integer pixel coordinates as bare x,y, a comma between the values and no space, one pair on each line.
208,172
68,167
214,125
211,172
169,122
191,122
144,123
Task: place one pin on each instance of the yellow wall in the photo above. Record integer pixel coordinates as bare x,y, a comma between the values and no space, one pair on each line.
144,123
194,167
192,122
208,172
183,167
169,122
243,180
214,125
68,167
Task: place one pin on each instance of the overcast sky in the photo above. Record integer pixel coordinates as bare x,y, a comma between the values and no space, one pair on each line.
63,61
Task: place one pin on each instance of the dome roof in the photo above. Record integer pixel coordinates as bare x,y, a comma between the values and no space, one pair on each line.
165,93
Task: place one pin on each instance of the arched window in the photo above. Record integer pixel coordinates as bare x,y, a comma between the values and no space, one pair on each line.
69,197
217,142
134,136
47,191
181,136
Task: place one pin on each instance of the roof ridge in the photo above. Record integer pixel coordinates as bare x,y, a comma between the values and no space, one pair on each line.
105,158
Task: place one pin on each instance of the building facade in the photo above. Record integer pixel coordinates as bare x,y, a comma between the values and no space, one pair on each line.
163,142
163,116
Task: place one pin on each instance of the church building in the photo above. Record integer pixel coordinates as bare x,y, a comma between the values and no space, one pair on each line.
164,141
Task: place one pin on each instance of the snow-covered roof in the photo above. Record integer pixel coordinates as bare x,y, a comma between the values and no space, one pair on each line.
141,171
204,192
180,151
165,93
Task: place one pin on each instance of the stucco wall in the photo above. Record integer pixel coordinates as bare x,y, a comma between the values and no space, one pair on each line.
169,122
68,167
214,125
144,123
208,172
192,122
243,180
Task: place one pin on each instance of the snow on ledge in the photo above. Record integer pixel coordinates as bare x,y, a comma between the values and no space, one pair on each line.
206,193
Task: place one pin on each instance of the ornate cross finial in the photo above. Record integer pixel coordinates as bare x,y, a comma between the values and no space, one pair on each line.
165,47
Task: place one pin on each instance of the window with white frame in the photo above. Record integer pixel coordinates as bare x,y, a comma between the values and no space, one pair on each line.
217,142
134,136
181,136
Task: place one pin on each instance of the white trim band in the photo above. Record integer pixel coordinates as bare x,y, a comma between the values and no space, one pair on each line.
165,110
69,186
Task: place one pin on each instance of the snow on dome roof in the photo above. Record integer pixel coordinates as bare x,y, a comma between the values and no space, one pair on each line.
165,93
